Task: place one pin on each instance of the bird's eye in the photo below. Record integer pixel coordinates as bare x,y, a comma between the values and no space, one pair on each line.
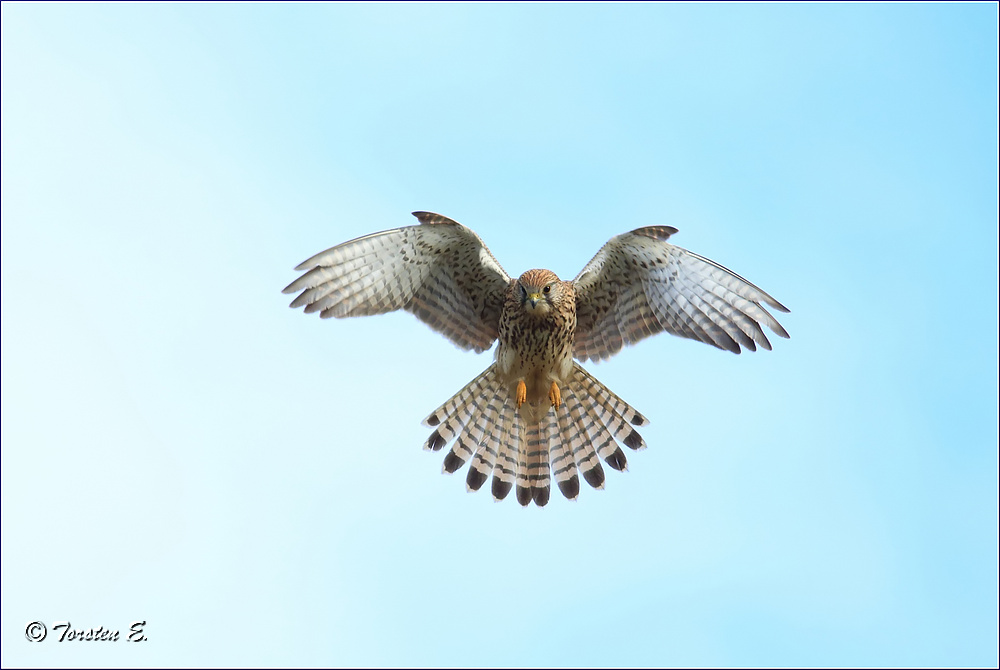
524,292
546,289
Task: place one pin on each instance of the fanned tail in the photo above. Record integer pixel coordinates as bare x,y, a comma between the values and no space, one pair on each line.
484,426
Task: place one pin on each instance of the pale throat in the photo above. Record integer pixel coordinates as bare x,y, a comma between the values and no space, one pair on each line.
539,311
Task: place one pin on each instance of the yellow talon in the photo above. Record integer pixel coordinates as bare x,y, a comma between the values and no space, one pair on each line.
521,394
554,395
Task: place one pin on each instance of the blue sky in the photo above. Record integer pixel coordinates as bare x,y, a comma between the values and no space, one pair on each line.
180,447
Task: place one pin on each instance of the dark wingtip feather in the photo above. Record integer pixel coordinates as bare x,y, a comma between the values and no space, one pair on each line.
656,232
540,495
634,440
778,306
729,344
523,496
432,421
617,460
434,442
452,462
431,219
500,488
571,487
639,420
475,479
595,476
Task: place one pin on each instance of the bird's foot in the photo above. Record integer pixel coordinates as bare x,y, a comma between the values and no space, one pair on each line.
555,396
521,394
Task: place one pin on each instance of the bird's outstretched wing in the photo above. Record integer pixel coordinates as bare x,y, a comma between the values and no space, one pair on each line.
440,271
639,285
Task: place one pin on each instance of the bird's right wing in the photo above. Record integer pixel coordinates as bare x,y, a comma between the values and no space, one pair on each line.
639,285
440,271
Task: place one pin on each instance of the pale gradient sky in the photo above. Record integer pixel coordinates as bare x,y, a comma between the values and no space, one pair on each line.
180,447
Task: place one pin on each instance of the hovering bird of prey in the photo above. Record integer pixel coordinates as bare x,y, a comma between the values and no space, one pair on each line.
536,413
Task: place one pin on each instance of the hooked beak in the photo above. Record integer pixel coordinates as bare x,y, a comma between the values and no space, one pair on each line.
534,299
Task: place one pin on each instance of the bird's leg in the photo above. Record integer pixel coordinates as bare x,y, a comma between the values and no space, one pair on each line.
554,395
521,394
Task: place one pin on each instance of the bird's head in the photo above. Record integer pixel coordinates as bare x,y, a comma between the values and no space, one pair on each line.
540,292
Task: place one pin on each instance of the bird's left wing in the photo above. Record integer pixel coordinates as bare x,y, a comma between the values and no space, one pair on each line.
639,285
440,271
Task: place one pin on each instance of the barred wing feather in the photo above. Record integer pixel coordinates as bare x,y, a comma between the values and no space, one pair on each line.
639,285
440,271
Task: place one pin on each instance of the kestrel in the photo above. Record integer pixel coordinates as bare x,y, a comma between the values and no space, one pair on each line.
536,413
